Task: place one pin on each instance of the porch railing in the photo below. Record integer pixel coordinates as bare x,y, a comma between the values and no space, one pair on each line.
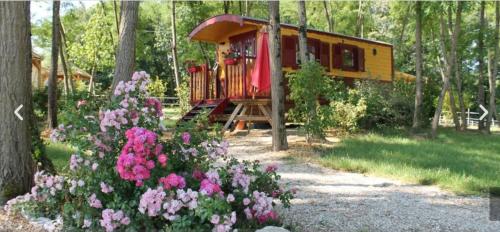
204,84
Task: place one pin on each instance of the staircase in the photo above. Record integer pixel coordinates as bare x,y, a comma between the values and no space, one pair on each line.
212,107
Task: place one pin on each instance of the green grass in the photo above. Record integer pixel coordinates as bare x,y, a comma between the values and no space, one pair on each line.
465,163
59,154
170,116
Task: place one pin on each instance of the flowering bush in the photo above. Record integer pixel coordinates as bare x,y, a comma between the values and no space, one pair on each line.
126,176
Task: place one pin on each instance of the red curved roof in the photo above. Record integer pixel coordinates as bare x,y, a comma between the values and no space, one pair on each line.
221,23
215,28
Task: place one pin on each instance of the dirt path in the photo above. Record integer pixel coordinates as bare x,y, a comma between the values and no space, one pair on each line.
329,200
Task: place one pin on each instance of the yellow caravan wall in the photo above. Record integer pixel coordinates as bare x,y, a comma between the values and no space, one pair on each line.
377,66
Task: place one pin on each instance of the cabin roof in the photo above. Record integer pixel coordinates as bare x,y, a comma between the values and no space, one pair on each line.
225,23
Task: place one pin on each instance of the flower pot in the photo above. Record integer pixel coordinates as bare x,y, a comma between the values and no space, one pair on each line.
231,61
194,69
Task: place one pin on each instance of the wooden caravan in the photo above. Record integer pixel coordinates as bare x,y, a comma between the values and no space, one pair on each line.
239,39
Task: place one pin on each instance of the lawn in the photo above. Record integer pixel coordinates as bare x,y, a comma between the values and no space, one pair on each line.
465,163
59,153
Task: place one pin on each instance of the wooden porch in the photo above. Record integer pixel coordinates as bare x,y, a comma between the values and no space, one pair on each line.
227,94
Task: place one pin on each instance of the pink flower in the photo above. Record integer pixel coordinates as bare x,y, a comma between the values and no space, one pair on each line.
246,201
186,137
86,223
198,175
272,168
151,201
215,219
163,160
94,202
137,156
172,181
106,188
81,103
208,188
230,198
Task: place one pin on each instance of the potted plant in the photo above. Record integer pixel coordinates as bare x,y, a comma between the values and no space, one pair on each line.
192,67
231,57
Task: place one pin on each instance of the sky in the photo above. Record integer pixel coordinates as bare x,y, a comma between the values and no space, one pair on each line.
43,9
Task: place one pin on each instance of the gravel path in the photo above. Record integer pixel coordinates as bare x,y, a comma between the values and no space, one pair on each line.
329,200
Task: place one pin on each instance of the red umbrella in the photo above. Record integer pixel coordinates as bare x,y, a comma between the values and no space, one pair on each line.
261,77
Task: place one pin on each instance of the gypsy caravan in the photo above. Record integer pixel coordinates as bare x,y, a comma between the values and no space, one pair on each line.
237,87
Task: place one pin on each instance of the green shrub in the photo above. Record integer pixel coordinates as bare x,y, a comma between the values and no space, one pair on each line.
346,115
307,87
157,88
184,96
387,105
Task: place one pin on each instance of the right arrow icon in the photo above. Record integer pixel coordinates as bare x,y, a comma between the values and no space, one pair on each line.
485,112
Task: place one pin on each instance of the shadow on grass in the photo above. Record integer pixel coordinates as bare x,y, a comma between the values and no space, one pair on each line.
466,163
59,154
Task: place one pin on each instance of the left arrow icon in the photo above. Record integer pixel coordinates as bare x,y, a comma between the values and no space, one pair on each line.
16,112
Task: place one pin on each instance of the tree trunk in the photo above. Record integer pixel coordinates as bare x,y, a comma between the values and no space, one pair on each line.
16,165
359,22
277,81
480,60
117,18
226,6
63,48
174,47
493,69
302,32
65,69
458,79
328,17
417,114
125,54
52,83
449,60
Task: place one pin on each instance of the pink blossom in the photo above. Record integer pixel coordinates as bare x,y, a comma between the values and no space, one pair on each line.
151,201
230,198
215,219
163,160
198,175
94,202
112,220
172,181
208,188
156,105
136,158
81,103
86,223
186,138
272,168
106,188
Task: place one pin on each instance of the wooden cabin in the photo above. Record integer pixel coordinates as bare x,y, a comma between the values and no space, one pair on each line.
77,74
36,70
226,89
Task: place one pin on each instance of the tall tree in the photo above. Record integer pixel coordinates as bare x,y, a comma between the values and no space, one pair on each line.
302,32
52,83
125,54
480,61
16,165
329,19
447,67
360,20
64,60
417,114
174,47
277,81
493,68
